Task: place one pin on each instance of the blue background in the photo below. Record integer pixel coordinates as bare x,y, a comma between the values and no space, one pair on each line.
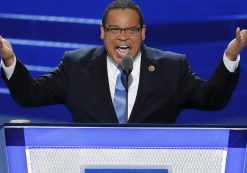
198,28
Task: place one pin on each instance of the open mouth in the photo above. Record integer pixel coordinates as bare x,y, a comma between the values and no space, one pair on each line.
122,50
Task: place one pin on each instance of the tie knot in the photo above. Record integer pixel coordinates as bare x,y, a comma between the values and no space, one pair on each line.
121,76
119,68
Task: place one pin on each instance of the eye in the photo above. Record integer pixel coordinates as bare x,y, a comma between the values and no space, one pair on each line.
132,30
113,30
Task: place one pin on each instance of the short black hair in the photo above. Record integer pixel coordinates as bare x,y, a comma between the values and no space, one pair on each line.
122,4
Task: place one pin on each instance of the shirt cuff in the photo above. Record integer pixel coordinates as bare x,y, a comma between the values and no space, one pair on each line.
9,70
231,65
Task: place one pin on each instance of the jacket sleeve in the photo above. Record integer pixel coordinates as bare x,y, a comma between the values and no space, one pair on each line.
43,90
213,94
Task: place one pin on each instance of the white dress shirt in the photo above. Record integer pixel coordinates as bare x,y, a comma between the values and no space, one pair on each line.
113,72
8,70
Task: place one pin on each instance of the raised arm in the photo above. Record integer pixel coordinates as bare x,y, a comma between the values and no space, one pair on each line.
237,45
6,52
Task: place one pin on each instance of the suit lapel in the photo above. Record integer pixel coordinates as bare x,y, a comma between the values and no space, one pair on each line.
99,73
145,82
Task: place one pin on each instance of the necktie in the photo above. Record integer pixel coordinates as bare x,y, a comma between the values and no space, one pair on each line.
119,100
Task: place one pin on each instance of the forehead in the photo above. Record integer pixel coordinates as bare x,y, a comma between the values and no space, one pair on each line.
122,17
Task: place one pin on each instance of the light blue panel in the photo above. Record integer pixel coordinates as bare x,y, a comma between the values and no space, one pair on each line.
235,160
3,154
126,137
17,159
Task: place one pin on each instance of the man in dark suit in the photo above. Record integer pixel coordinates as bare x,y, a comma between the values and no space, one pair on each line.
161,84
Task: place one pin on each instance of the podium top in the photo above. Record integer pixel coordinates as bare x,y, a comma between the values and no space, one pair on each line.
213,126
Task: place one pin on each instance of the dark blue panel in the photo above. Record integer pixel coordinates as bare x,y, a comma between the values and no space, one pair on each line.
50,31
237,139
193,32
154,11
157,34
200,29
14,137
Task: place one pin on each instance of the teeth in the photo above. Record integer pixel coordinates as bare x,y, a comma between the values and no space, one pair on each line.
123,47
122,50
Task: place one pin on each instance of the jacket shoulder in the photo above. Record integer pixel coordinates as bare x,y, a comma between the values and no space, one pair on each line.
160,55
83,53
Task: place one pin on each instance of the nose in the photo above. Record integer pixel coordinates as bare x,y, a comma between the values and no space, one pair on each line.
123,35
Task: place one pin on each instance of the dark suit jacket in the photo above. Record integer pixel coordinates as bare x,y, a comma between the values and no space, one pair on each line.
81,83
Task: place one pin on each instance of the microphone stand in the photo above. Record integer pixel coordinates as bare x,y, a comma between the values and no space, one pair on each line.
126,96
127,66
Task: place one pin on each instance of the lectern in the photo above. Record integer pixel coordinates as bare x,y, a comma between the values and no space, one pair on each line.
79,148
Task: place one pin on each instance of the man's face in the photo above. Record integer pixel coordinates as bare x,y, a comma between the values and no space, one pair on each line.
120,43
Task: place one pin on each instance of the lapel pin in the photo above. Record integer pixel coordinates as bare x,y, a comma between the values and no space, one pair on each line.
151,68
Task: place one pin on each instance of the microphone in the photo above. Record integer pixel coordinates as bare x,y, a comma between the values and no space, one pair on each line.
126,65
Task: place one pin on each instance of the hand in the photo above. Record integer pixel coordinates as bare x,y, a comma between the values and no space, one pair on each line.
6,52
237,44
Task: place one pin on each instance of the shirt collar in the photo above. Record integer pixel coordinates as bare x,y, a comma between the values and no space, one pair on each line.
114,66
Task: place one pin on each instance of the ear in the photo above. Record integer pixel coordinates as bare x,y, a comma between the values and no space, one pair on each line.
102,32
143,32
